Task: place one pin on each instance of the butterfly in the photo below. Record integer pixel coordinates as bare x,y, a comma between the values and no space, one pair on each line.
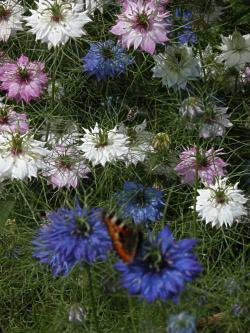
126,240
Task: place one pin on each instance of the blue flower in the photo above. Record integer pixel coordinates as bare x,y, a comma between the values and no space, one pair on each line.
181,323
142,204
186,35
106,59
161,268
73,236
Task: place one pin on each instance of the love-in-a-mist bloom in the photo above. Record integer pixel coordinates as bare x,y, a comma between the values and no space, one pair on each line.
183,322
142,24
141,204
235,50
176,67
20,156
215,120
23,80
220,204
161,269
186,33
12,121
56,21
191,107
73,236
106,59
140,142
207,165
100,146
11,13
64,167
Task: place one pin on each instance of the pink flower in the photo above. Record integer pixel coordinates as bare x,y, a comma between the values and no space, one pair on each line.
208,163
64,167
246,75
142,24
14,122
23,80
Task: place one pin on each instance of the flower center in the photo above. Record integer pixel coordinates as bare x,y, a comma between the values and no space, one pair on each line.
154,259
65,162
201,159
82,226
220,197
4,13
56,13
24,74
142,20
107,53
140,197
102,140
17,145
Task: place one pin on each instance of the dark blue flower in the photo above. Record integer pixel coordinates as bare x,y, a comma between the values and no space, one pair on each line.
161,268
106,59
142,204
181,323
73,236
187,35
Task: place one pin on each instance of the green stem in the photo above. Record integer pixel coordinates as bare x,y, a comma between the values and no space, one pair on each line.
131,315
93,303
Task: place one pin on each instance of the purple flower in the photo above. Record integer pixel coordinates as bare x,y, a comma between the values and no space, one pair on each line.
64,167
23,80
186,35
142,204
11,121
161,269
106,59
73,236
208,163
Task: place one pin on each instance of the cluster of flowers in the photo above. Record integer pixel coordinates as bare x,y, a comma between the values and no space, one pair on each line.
79,235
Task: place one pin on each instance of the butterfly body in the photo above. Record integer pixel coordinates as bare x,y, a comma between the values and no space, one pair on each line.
126,240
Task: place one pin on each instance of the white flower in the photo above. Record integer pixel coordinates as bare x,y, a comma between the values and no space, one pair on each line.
20,156
101,146
220,204
55,21
191,107
65,167
91,5
235,50
176,66
10,18
140,142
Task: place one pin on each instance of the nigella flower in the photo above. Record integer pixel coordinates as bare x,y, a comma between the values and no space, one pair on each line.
10,18
73,236
207,164
235,50
162,268
12,121
23,80
140,142
56,21
142,204
176,66
215,121
191,107
141,24
220,204
186,35
101,146
181,323
246,75
20,156
106,59
65,167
